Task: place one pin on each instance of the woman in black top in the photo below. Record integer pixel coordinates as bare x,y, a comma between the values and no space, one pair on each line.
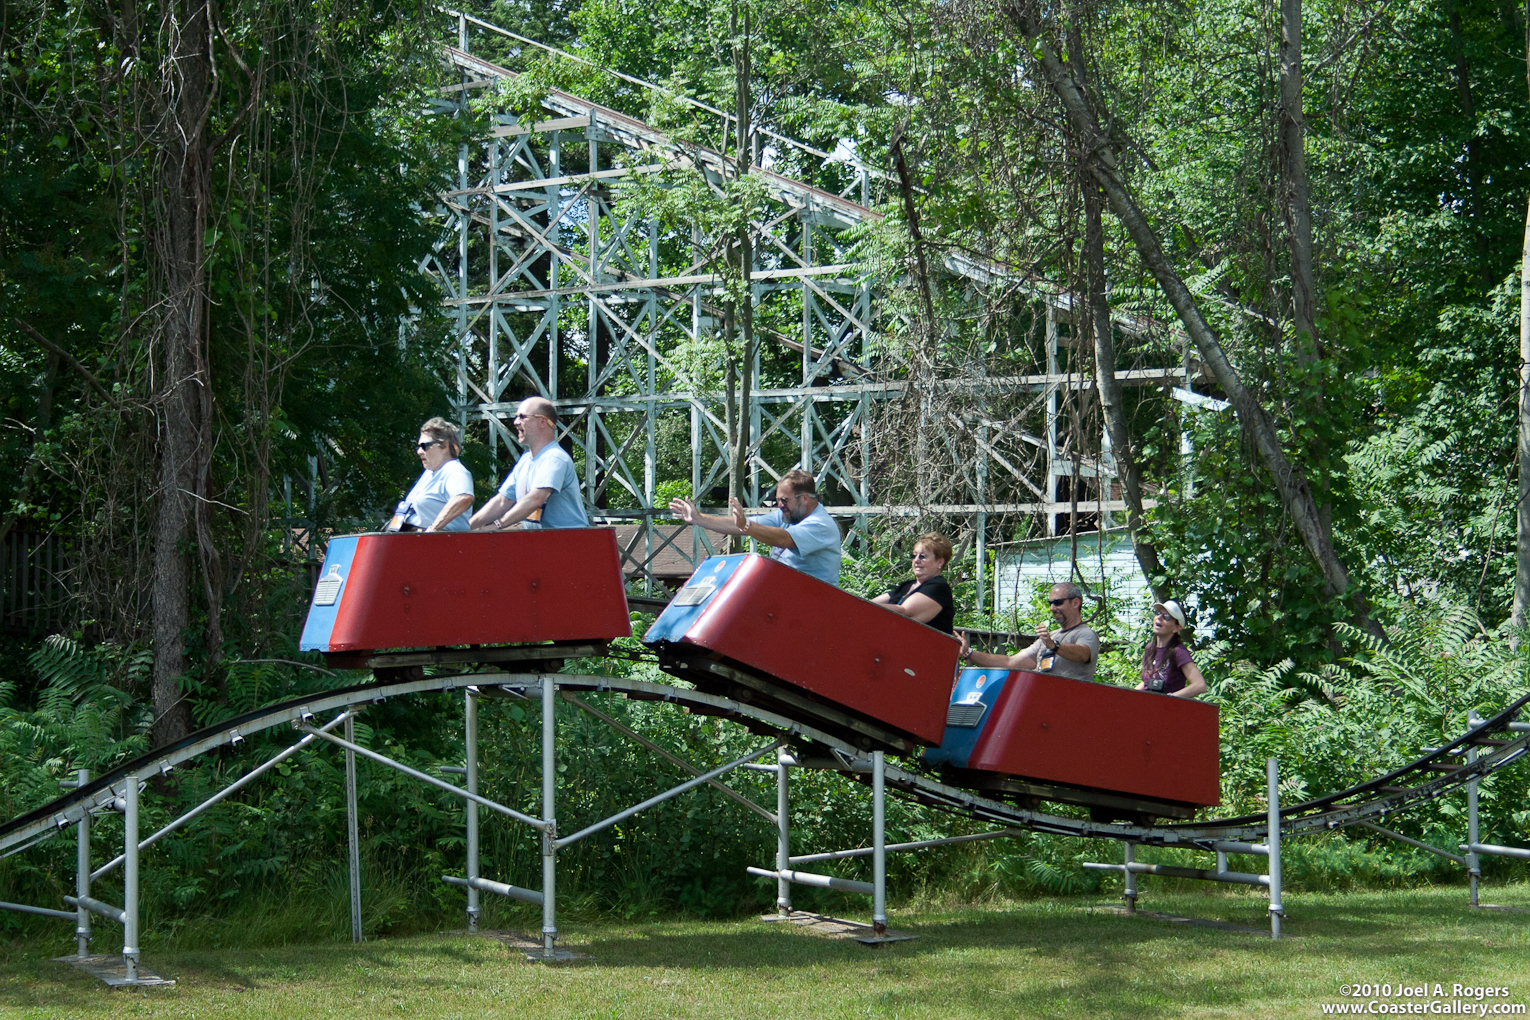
926,597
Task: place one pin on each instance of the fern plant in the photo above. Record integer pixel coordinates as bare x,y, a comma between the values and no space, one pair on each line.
80,720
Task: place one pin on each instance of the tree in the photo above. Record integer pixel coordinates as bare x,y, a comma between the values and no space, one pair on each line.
1295,491
255,246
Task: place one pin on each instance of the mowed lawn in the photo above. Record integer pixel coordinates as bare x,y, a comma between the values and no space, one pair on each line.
1051,958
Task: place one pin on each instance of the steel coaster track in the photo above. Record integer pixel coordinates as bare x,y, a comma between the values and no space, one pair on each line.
1376,799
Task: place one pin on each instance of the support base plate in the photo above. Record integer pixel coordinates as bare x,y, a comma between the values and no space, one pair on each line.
113,971
838,928
1192,922
529,945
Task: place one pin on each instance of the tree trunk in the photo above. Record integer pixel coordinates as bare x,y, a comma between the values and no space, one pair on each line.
1295,493
920,379
742,76
1522,547
1298,208
1099,324
1110,389
182,224
1473,164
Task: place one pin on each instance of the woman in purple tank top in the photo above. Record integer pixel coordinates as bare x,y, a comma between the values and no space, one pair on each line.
1166,664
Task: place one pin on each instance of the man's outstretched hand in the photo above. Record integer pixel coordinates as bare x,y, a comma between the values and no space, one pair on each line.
683,509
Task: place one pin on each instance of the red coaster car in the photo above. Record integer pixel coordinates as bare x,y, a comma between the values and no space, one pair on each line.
761,632
1125,753
552,593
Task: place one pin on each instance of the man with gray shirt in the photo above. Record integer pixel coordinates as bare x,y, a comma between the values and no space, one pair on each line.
1072,650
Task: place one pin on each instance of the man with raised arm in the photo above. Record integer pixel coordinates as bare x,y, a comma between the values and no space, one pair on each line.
799,531
1072,650
542,490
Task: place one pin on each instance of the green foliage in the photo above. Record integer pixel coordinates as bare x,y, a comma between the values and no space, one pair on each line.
1344,724
79,718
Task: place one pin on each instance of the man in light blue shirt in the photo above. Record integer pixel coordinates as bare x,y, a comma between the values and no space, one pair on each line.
799,531
542,490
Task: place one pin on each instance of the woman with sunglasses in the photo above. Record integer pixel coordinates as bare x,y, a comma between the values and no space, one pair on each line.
442,497
926,597
1166,664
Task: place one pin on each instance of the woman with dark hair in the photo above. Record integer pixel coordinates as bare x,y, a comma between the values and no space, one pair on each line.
443,495
1166,664
926,597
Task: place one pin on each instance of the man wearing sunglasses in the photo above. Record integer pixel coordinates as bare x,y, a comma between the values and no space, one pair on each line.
799,531
542,490
1072,650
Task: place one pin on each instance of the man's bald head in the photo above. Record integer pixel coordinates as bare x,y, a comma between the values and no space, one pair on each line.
541,406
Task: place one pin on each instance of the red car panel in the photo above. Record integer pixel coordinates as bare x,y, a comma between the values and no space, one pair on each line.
1097,735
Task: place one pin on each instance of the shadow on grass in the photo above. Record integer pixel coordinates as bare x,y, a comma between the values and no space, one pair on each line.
1029,959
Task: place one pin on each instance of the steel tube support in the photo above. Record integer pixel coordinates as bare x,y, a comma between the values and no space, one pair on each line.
1128,858
879,841
353,828
632,734
867,851
549,816
63,915
439,784
82,874
95,906
130,877
783,830
684,787
1171,871
1473,829
223,794
514,892
470,727
1412,842
817,881
1272,775
1498,851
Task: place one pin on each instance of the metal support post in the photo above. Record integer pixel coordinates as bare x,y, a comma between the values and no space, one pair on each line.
783,831
879,841
1272,770
471,740
1473,862
130,878
353,830
1128,857
549,795
82,873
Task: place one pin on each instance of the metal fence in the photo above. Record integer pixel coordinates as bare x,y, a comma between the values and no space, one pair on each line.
34,580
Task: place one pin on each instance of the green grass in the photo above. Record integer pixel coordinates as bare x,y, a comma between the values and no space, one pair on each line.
1048,958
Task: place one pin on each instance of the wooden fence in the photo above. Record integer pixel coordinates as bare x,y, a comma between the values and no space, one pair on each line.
34,589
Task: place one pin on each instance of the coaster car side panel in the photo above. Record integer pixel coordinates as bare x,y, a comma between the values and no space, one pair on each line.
495,588
1080,733
796,629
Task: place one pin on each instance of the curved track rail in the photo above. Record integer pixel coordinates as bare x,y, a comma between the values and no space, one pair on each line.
1395,792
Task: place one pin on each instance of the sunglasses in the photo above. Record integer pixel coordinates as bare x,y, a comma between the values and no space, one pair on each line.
528,417
426,446
773,501
1058,602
